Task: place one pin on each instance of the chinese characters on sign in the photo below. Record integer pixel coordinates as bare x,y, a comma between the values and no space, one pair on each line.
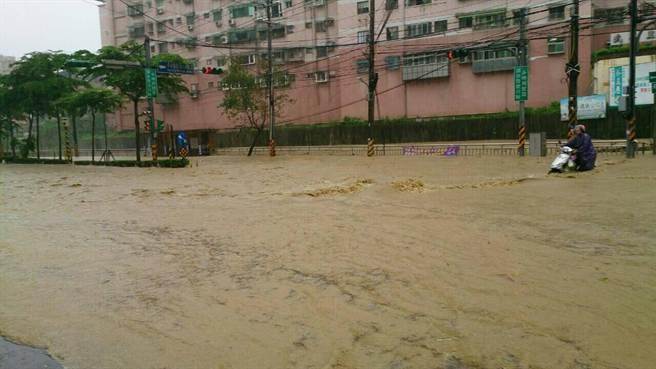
521,83
588,107
151,82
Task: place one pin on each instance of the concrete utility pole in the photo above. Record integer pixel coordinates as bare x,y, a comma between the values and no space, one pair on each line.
631,111
573,68
523,62
151,106
272,107
373,77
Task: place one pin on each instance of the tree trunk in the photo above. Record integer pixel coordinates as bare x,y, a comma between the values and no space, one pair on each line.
136,128
257,135
59,138
74,124
38,144
12,141
93,136
29,129
106,146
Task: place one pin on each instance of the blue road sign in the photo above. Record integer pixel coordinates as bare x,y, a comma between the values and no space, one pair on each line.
182,139
175,68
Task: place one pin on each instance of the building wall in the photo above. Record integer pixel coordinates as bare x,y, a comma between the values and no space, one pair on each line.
5,63
462,91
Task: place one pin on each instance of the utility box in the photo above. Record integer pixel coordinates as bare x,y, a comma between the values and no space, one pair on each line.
537,144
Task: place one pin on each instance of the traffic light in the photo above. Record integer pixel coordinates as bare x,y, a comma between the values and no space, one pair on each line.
146,126
212,70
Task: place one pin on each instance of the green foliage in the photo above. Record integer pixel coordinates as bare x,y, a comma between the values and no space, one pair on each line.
35,161
92,100
131,82
619,51
246,99
175,163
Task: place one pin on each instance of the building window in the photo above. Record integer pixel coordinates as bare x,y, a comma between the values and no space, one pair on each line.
288,3
210,84
495,54
217,14
363,37
555,45
440,26
362,66
491,20
424,66
392,33
150,28
135,10
178,20
246,59
136,31
465,22
417,30
517,17
363,7
190,18
391,4
276,10
393,62
417,2
321,76
611,15
557,13
163,47
206,15
322,51
241,11
161,28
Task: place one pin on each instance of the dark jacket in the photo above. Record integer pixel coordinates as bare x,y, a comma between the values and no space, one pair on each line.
586,155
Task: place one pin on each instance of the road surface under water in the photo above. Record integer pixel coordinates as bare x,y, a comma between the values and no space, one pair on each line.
332,262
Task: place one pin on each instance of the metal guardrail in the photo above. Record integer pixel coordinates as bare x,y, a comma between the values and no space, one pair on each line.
426,149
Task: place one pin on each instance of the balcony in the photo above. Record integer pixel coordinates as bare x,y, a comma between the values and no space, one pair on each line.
494,65
415,71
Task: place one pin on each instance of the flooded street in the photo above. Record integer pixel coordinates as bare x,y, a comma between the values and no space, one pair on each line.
332,262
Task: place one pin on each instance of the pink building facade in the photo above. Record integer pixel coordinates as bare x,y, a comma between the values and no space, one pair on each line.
321,45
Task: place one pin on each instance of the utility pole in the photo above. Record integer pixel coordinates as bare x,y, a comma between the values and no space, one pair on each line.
272,108
631,111
523,62
373,77
151,106
573,68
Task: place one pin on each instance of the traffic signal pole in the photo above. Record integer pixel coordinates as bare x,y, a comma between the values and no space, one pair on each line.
573,68
631,111
373,77
523,61
152,138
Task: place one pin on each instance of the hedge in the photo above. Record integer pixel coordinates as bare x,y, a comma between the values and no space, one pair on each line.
175,163
17,160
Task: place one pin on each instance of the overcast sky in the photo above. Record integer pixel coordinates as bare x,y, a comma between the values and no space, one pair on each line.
40,25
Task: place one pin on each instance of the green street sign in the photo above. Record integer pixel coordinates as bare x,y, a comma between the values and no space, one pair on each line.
652,77
151,82
653,88
521,83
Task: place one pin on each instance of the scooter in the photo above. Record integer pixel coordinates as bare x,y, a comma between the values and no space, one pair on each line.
565,161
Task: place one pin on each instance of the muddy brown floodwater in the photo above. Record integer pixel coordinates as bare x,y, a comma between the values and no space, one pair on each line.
332,262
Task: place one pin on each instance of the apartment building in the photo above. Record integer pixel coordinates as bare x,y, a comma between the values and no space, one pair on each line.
321,44
5,63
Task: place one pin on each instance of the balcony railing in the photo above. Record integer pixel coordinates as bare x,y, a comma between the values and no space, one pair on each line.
425,71
494,65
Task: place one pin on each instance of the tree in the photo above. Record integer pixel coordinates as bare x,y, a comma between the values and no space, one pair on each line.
8,113
37,82
131,82
94,101
246,98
